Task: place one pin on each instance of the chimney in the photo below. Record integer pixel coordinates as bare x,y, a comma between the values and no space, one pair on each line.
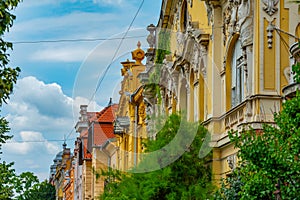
83,113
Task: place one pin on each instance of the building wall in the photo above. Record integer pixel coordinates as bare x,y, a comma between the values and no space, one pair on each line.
131,105
87,180
227,66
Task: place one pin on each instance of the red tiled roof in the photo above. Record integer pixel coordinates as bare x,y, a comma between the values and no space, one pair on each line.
108,114
104,129
103,132
105,115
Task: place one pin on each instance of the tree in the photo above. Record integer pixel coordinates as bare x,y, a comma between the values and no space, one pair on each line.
188,177
39,191
8,76
24,182
268,157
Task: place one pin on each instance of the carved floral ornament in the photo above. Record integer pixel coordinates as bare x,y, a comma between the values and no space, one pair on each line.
238,18
270,6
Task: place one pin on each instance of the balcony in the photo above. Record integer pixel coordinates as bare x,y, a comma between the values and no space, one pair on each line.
289,91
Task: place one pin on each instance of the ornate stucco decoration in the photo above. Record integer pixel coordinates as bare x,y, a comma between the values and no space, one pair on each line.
245,22
270,30
230,19
209,10
238,18
231,160
270,6
138,55
190,2
151,37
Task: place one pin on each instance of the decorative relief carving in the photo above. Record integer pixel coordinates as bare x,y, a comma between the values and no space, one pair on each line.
203,55
287,74
238,18
226,20
195,57
209,10
230,18
270,6
245,22
270,30
231,160
190,2
141,113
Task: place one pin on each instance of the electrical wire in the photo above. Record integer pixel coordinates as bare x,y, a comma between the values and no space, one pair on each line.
114,56
75,40
116,52
90,39
287,33
35,141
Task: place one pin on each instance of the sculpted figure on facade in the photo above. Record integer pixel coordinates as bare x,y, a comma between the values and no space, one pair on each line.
234,5
203,63
226,20
245,22
209,10
231,19
195,58
142,113
231,160
190,2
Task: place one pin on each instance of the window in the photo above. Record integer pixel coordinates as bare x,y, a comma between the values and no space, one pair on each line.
237,75
184,17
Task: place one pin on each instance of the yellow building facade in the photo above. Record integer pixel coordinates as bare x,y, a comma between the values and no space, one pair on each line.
130,127
227,65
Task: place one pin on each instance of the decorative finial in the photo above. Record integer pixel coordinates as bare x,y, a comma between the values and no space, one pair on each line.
64,145
151,37
138,54
139,44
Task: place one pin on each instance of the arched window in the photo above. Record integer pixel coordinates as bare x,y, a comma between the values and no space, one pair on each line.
184,16
237,75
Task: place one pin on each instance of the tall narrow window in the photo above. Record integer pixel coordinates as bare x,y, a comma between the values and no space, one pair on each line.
237,75
184,16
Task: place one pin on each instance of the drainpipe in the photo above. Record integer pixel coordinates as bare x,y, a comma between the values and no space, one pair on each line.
135,136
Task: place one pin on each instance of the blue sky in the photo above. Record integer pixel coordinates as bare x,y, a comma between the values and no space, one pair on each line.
57,77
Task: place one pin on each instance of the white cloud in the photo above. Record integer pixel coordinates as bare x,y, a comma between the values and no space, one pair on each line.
39,113
32,95
61,54
39,107
31,141
72,24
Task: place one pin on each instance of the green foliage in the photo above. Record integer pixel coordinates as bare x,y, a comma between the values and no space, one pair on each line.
7,177
269,157
296,67
152,87
8,75
163,47
7,173
162,50
24,182
187,178
39,191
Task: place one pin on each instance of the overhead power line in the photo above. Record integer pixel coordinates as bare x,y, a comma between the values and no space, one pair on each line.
113,58
117,51
75,40
36,141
